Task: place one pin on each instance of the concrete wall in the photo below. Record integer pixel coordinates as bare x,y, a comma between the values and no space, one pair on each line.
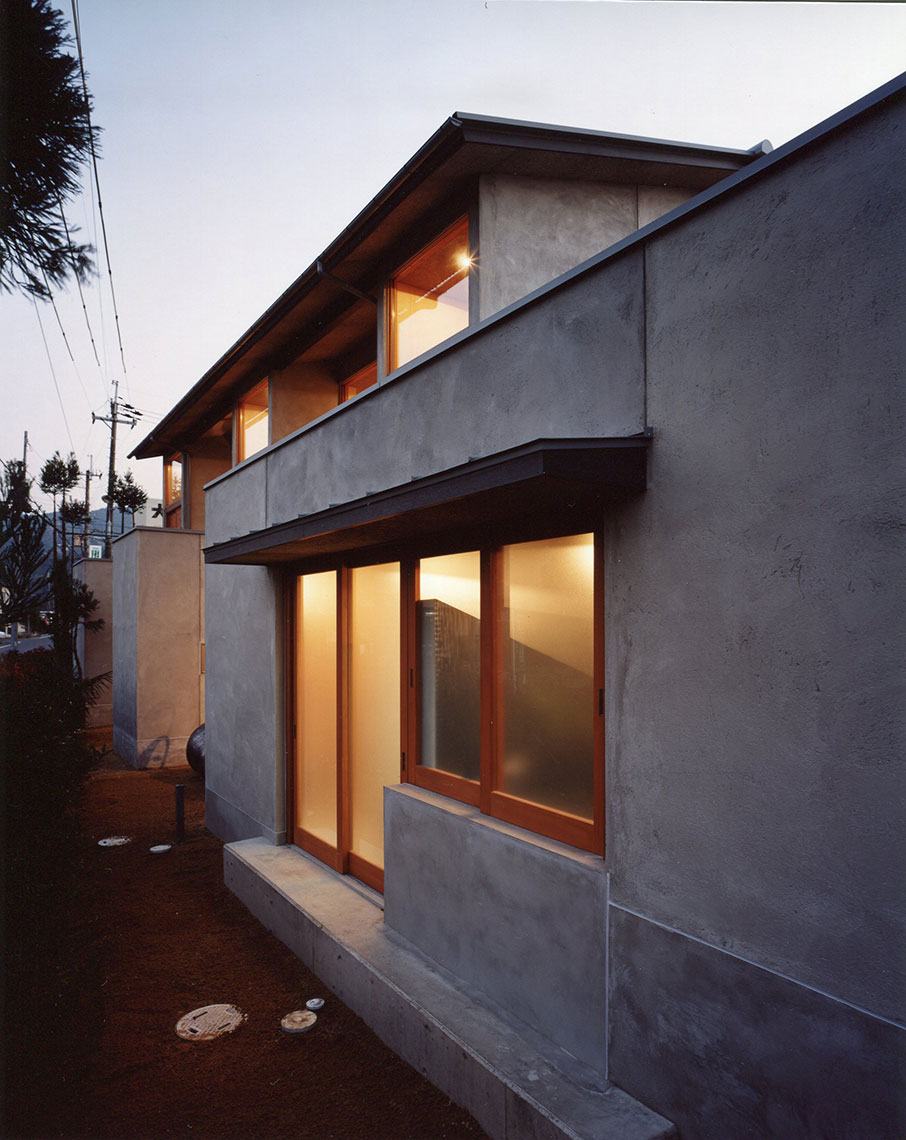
754,632
533,229
95,648
515,908
755,628
158,695
244,775
490,392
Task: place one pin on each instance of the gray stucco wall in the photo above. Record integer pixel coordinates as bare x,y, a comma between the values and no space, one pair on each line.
515,908
754,624
533,229
755,632
244,699
493,391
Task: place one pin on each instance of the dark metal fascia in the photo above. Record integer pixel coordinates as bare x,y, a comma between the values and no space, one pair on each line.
579,140
574,459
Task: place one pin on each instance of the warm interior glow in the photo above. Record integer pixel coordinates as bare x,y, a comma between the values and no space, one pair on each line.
316,706
172,481
358,382
429,296
546,636
374,702
253,421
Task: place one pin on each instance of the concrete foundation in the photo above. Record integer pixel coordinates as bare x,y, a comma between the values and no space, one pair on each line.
516,1085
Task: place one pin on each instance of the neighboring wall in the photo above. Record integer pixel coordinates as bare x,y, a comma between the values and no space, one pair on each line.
158,688
755,635
95,647
533,229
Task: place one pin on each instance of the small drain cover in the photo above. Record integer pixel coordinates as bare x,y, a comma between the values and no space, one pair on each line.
113,841
299,1021
159,848
208,1022
314,1003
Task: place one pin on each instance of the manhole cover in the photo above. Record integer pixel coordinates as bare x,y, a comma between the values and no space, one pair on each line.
113,841
299,1021
159,848
208,1022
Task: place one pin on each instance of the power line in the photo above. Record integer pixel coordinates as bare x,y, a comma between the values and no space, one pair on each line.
53,373
66,341
78,281
97,182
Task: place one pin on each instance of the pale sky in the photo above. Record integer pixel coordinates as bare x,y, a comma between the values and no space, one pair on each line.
239,139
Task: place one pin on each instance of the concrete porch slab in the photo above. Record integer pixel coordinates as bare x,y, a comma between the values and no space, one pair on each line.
517,1085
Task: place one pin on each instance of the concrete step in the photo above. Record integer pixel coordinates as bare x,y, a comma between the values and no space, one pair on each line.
517,1085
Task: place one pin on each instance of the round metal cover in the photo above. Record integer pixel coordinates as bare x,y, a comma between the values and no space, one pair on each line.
299,1021
314,1003
208,1022
159,848
113,841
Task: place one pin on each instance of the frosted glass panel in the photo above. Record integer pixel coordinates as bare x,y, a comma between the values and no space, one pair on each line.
316,705
449,663
374,703
547,673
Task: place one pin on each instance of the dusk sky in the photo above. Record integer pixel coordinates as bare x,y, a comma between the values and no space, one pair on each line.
239,139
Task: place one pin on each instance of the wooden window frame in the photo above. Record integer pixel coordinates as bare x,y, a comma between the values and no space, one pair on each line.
466,217
340,858
485,793
239,420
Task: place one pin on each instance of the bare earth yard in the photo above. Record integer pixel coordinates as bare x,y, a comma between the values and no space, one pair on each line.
149,938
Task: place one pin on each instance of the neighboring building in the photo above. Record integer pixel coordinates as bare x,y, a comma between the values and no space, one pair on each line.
561,604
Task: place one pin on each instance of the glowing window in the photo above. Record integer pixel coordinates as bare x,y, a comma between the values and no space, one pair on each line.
173,493
358,382
253,421
429,295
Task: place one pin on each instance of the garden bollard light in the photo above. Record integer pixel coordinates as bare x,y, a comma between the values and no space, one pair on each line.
179,791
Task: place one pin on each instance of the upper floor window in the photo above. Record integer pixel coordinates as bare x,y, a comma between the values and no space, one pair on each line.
253,422
173,492
429,295
358,382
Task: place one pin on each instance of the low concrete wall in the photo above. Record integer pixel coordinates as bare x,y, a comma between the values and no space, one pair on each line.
518,916
95,648
158,696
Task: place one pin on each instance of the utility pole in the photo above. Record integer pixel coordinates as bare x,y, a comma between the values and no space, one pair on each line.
131,418
25,453
89,475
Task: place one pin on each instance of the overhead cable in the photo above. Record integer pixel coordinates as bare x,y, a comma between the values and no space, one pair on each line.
78,282
53,373
97,183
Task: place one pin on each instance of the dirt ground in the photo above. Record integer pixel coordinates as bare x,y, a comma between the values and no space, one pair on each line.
156,936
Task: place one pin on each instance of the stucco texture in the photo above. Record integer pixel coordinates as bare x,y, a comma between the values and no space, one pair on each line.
755,625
